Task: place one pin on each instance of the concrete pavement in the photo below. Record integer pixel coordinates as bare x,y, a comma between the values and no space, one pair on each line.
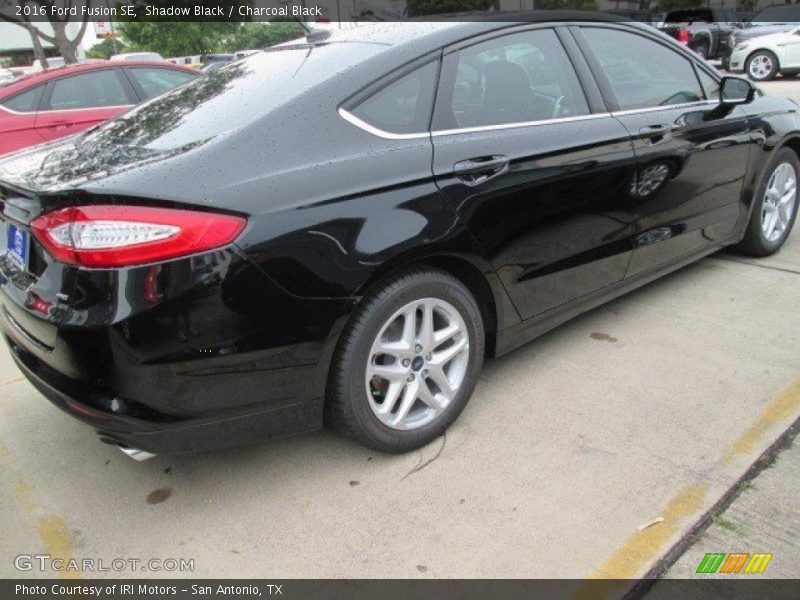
648,408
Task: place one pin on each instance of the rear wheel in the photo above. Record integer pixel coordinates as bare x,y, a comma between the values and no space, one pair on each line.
407,362
774,208
761,65
701,51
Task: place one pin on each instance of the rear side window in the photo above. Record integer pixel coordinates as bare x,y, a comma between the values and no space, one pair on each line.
155,81
27,101
517,78
88,90
403,106
642,72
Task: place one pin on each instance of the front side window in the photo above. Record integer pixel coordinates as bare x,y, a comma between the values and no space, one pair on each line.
516,78
710,85
403,106
643,73
155,81
88,90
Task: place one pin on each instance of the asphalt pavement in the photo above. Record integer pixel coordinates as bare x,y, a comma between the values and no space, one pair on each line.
590,452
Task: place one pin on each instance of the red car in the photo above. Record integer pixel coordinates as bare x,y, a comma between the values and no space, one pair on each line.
59,102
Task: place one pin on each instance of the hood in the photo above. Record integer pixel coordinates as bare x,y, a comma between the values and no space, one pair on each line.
749,33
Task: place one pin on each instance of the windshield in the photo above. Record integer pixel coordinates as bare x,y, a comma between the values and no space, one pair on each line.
228,98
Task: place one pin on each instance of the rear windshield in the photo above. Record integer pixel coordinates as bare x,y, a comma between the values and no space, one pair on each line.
690,16
230,97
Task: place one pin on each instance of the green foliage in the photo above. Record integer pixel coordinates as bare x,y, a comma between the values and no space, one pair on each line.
105,49
177,39
667,5
261,35
418,8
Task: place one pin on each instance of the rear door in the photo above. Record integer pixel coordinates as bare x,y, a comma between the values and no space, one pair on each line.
76,102
18,119
691,155
529,158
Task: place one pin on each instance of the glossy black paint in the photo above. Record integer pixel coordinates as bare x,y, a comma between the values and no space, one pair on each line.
234,345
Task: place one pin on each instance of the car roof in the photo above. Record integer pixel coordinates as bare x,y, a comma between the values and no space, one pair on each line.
427,33
27,81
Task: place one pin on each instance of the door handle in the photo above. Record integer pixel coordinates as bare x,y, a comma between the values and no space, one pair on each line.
477,170
58,125
657,132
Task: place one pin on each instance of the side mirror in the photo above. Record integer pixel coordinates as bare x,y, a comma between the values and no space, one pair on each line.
735,90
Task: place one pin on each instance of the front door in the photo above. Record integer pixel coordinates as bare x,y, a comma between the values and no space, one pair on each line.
691,153
538,172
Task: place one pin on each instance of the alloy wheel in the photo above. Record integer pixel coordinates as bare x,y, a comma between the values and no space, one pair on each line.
760,66
779,202
417,364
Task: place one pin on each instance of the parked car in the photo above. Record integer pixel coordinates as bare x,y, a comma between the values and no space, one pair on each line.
217,60
138,56
376,219
701,29
777,18
762,58
59,102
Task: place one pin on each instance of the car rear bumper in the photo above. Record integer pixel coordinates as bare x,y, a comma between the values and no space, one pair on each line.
207,354
112,416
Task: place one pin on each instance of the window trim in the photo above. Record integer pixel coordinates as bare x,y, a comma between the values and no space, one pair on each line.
567,32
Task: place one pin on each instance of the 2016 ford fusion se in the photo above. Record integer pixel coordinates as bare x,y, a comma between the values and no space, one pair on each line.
341,229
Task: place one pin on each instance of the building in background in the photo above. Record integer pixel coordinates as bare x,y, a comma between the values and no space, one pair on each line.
16,47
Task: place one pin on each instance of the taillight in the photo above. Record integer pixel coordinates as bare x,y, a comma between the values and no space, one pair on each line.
684,37
118,236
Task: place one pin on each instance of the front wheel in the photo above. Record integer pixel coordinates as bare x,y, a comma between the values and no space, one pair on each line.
407,362
761,65
774,207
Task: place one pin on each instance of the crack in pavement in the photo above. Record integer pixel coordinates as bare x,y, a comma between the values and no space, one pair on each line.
421,465
760,266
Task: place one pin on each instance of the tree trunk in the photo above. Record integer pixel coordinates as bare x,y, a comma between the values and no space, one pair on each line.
66,47
38,51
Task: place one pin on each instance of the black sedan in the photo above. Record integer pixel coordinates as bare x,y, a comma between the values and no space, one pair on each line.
341,229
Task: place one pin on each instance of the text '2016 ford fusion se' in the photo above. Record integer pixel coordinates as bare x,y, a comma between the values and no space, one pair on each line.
340,229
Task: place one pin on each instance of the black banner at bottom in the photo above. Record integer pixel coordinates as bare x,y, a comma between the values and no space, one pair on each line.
390,589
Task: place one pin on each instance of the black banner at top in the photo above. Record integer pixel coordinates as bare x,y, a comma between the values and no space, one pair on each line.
80,11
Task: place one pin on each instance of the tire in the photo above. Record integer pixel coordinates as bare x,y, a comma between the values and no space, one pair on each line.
770,224
701,51
366,406
761,65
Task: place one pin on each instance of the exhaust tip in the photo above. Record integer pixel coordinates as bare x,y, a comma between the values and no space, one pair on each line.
136,454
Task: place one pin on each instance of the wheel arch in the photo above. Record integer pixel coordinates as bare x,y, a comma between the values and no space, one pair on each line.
762,49
471,270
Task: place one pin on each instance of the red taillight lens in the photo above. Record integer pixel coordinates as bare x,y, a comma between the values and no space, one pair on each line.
119,236
684,36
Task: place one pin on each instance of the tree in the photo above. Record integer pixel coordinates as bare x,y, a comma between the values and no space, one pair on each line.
261,35
67,47
106,49
667,5
567,4
417,8
176,39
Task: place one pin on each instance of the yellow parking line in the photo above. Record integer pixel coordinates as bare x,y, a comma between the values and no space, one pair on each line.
784,406
643,547
51,529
